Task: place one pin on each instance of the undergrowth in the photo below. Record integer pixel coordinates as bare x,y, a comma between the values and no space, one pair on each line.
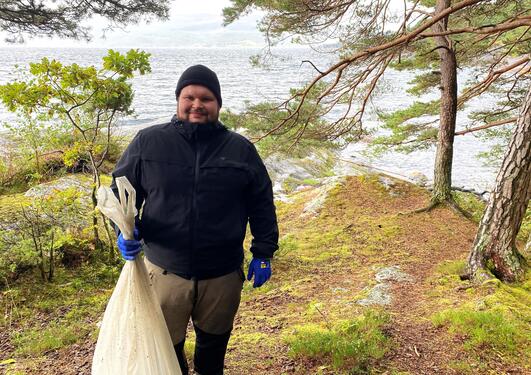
493,320
47,316
351,344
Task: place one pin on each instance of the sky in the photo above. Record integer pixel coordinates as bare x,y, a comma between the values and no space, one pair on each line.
196,23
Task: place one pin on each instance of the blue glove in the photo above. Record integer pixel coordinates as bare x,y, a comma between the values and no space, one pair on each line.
129,248
261,269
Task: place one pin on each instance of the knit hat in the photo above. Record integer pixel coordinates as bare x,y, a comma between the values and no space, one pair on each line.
199,75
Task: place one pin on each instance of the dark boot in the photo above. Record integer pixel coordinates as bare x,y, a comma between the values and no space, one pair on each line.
179,350
209,357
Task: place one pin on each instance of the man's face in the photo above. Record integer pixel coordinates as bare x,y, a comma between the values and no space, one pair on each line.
197,104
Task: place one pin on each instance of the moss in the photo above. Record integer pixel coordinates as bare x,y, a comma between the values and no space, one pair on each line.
37,341
10,204
471,203
347,344
462,367
494,319
451,267
75,300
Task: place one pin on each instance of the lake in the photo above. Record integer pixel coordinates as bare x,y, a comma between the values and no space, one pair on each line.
241,82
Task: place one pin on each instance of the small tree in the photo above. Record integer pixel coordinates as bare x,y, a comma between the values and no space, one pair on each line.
495,244
87,99
37,229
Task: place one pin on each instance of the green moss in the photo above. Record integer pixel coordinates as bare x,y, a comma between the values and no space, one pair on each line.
462,367
525,229
451,267
189,344
482,329
10,205
495,319
310,181
287,245
75,300
348,344
471,203
37,341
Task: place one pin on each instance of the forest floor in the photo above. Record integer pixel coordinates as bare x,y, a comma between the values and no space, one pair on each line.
327,308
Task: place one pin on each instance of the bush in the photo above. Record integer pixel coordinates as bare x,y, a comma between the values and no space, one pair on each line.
39,231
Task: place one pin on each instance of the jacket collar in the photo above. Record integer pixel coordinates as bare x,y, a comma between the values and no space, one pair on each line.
203,130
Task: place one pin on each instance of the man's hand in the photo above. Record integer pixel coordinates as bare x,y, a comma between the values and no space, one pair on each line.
261,269
129,248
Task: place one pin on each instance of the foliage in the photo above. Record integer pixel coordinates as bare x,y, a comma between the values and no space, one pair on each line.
39,230
37,152
68,308
89,100
481,57
64,18
260,119
70,109
367,42
352,344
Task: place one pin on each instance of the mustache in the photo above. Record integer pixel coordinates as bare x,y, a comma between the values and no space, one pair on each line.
197,111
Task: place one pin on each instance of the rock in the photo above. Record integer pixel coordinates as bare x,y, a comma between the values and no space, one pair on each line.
379,295
287,174
283,167
393,273
418,178
313,207
386,182
63,183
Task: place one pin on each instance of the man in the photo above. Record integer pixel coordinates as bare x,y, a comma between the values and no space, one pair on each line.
199,184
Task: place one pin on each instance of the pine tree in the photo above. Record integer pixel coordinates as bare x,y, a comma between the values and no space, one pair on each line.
63,18
494,248
434,34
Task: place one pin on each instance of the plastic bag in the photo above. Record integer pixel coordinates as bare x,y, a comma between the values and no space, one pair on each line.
134,338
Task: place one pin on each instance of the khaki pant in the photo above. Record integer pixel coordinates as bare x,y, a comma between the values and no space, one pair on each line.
212,304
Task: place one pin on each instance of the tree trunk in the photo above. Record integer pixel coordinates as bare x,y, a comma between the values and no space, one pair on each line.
95,185
51,267
442,182
495,244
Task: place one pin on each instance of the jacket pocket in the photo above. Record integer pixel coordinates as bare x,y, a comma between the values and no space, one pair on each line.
226,176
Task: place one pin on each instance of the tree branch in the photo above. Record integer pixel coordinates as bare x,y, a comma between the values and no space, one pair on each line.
486,126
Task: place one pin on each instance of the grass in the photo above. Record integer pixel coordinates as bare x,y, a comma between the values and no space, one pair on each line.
50,316
492,320
482,329
36,341
350,344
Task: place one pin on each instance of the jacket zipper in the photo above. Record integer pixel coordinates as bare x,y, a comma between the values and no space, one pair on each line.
194,200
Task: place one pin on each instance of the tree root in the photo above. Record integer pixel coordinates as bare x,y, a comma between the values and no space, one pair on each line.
450,202
454,206
428,208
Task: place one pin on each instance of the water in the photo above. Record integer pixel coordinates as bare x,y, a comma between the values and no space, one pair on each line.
154,99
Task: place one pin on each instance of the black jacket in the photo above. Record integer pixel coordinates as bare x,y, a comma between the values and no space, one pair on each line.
199,186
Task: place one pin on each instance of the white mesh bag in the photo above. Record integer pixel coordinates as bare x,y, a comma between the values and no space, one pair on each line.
133,338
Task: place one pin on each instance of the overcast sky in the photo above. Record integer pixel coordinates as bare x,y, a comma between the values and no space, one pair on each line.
196,23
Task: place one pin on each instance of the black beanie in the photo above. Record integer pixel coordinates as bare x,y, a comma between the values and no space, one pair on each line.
199,75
